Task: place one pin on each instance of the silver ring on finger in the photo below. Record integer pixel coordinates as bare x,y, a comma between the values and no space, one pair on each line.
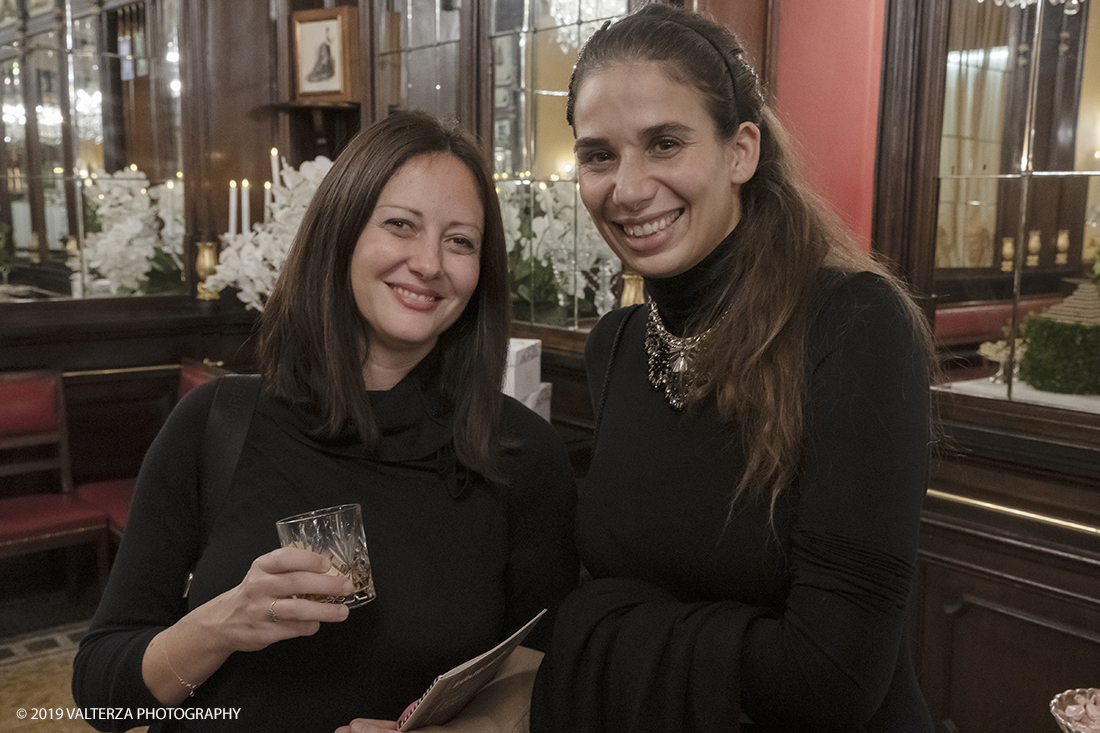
271,612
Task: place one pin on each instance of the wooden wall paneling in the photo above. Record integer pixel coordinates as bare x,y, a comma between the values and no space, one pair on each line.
139,118
475,90
227,73
123,332
570,407
6,162
910,122
195,134
164,117
280,12
976,676
1042,423
113,416
1009,618
1047,497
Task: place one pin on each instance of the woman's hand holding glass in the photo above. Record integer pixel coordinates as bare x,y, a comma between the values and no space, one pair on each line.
263,609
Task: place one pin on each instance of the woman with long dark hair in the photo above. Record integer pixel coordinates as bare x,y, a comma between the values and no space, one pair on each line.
382,351
751,515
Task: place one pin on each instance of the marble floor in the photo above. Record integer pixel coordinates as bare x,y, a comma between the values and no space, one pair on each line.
35,678
44,612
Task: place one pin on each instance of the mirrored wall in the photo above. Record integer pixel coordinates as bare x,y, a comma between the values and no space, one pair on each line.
92,203
563,274
418,57
1017,281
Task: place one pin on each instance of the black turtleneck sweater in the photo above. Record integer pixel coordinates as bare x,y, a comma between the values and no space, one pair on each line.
456,567
698,618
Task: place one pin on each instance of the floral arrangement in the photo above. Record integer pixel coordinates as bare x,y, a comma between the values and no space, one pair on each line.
134,232
250,262
555,253
998,351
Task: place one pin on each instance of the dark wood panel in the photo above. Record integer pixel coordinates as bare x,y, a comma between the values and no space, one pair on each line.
123,332
997,647
113,417
997,663
910,116
1009,596
1050,498
228,73
1050,423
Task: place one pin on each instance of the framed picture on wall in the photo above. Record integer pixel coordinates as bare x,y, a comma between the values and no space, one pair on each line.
326,55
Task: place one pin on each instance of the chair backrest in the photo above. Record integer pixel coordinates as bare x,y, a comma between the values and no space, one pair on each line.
33,433
194,373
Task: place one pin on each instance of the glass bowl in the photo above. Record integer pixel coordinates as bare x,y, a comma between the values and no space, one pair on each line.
1077,711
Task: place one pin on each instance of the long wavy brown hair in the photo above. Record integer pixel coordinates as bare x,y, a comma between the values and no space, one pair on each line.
753,364
312,338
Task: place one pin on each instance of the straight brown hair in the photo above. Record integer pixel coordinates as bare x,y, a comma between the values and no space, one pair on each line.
311,343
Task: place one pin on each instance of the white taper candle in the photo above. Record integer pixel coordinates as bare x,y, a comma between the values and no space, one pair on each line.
246,208
232,208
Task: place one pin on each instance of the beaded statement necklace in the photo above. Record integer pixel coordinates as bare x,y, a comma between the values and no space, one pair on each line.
670,359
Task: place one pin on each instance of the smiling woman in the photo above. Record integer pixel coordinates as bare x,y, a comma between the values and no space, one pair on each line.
416,263
751,512
382,351
661,188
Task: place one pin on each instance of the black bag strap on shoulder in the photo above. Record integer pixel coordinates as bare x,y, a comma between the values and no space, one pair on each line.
222,442
607,374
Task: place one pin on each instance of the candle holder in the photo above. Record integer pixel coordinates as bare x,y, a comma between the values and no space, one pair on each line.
1062,246
1008,254
633,289
206,264
1034,247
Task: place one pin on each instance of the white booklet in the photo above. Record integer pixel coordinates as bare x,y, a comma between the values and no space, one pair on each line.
449,693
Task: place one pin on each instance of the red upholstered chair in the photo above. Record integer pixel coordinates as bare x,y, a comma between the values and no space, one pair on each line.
34,441
113,497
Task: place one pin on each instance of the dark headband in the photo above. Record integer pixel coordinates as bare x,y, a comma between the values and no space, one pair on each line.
725,60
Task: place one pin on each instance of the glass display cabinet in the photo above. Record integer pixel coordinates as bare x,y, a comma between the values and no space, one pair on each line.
987,185
1018,219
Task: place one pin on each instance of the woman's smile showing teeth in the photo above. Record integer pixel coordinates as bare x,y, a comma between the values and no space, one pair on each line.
662,187
416,299
644,230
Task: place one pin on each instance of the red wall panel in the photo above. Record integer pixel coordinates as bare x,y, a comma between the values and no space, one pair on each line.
827,93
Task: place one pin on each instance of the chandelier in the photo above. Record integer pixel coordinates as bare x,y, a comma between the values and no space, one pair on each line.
1069,7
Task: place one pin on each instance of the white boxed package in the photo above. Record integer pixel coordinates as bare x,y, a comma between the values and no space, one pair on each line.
539,400
524,371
